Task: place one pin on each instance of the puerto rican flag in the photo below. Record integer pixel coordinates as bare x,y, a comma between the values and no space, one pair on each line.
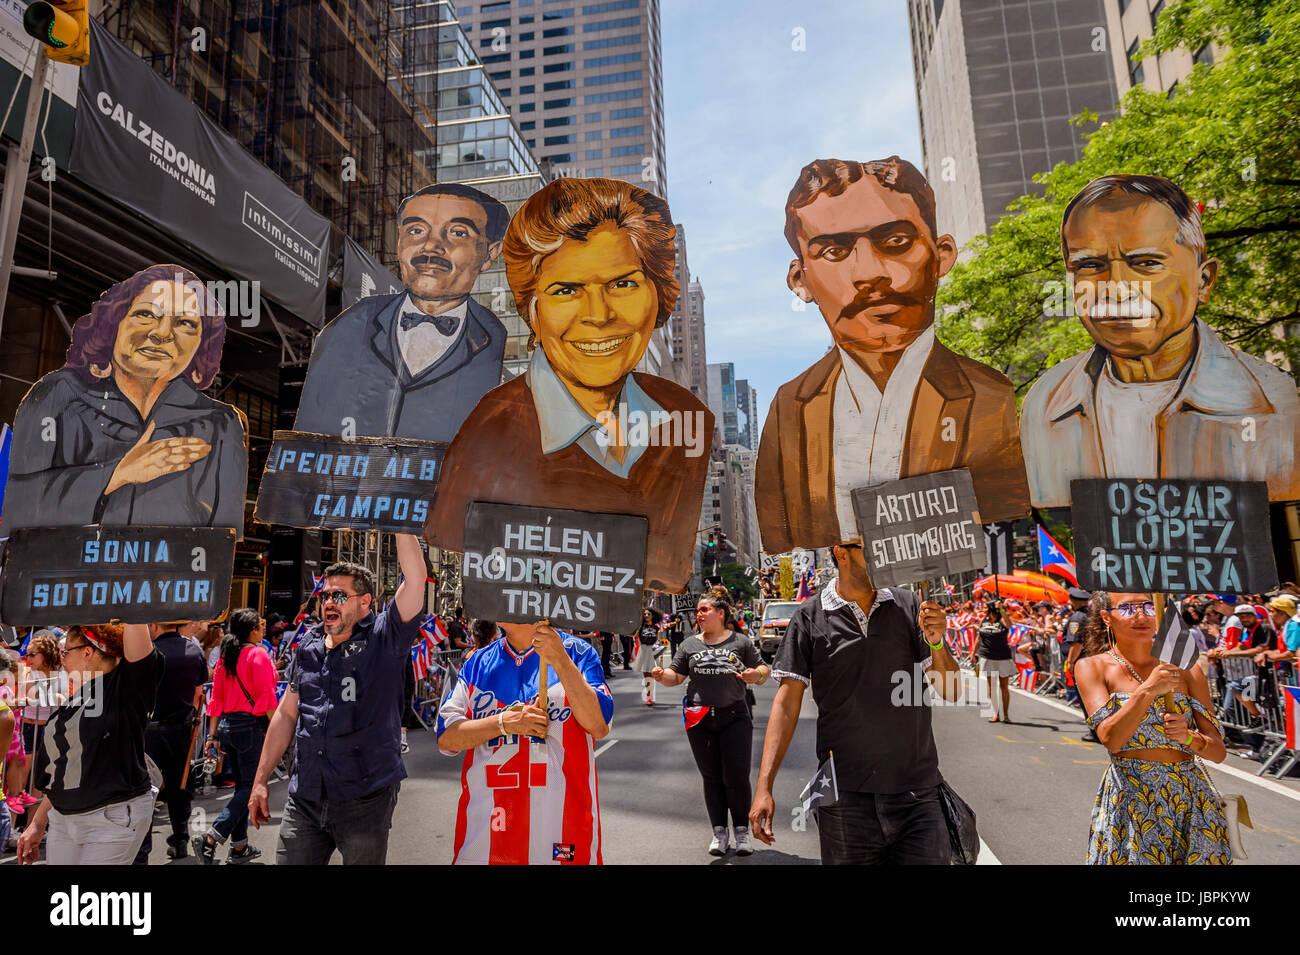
692,714
1054,558
317,585
1018,632
949,589
420,659
434,630
1028,678
1292,714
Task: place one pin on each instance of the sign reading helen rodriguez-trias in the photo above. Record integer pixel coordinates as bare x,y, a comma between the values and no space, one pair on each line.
580,571
919,528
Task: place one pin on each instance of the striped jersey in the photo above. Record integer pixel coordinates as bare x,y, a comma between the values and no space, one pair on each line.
522,801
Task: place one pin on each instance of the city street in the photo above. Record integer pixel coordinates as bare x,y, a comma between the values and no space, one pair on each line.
1031,784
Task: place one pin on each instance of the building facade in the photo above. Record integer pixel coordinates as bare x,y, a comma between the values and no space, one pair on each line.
722,401
747,404
996,87
1130,23
690,356
584,80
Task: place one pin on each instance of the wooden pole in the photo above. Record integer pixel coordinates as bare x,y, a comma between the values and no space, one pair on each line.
198,722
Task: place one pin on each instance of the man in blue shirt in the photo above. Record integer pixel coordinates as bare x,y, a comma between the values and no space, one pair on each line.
341,709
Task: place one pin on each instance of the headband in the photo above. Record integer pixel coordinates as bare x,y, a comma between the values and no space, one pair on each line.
95,641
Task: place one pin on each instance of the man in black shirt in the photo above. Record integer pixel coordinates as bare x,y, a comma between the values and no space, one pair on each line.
167,737
862,651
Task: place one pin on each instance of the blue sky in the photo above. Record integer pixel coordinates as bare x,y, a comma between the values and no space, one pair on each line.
745,111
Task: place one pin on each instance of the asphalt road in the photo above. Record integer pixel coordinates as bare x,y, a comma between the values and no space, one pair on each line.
1031,783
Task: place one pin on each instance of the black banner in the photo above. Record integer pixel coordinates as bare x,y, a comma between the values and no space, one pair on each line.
316,480
363,276
919,528
147,146
1172,536
579,570
58,576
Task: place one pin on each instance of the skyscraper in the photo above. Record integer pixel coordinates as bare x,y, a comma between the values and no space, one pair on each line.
689,354
585,82
722,401
747,403
996,86
478,143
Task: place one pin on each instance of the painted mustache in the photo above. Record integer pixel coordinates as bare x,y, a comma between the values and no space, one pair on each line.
864,300
436,260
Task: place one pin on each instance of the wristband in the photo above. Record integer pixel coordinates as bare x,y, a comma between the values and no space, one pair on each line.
1190,734
933,646
501,725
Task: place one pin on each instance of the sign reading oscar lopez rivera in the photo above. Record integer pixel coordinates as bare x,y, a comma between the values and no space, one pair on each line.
578,570
1172,536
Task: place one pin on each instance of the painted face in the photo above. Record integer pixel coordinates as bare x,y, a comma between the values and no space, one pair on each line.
595,308
1135,284
160,333
869,261
442,246
1128,619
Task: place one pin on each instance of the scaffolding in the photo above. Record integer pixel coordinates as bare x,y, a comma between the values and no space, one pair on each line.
313,89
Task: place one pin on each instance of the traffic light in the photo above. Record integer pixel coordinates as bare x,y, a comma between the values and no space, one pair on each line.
711,544
63,26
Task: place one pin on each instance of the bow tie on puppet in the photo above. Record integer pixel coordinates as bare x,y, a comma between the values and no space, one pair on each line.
445,323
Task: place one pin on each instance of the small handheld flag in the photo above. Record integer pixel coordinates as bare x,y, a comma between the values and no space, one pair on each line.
1174,642
822,790
1055,559
317,585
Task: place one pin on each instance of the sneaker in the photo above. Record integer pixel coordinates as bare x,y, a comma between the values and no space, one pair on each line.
246,854
406,747
15,805
28,799
721,840
204,851
177,850
743,848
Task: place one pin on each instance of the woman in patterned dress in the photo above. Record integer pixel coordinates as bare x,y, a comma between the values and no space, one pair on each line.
1156,804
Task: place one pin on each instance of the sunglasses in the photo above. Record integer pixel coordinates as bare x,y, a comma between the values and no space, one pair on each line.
1130,610
337,597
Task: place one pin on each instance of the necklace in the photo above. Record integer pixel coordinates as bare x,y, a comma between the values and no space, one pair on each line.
1126,665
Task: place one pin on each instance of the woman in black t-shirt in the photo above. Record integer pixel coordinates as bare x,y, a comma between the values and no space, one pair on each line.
98,800
719,663
995,661
647,654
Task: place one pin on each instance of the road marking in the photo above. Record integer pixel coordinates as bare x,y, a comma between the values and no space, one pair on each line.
607,744
1241,774
986,855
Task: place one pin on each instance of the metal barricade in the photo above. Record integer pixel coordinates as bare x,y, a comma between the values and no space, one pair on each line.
1241,677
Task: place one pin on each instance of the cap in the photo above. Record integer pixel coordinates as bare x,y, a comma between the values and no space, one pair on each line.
1284,603
1225,598
1078,593
1043,603
1246,608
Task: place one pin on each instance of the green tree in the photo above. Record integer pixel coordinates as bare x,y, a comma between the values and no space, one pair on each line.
1229,135
737,581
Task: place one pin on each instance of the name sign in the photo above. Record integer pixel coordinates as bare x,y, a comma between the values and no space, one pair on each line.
1172,536
325,481
919,528
67,575
578,570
